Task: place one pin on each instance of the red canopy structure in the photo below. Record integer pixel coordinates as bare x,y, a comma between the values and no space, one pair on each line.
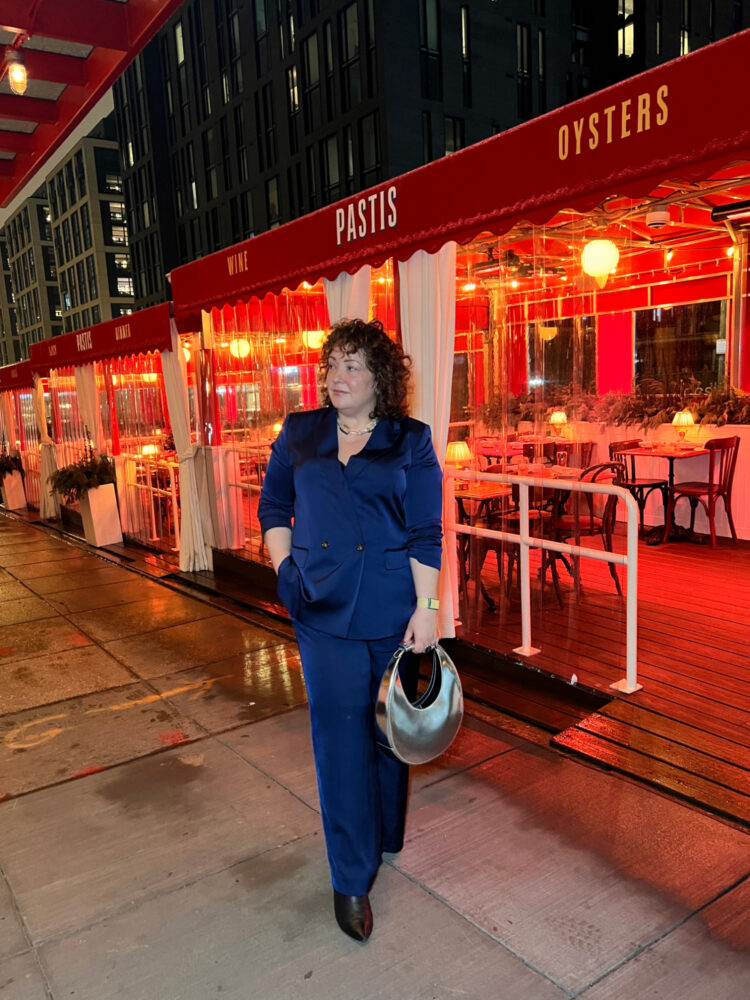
139,333
73,51
18,376
673,123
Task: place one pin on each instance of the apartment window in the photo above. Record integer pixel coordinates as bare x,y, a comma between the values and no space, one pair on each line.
122,261
113,183
261,24
91,274
81,276
96,315
466,54
226,154
625,28
117,211
658,25
269,127
211,173
76,228
72,288
272,202
429,50
70,183
312,185
329,169
292,93
124,285
541,46
348,160
328,67
311,83
240,145
178,43
426,136
80,174
66,239
684,27
372,67
454,134
537,8
369,149
120,235
523,70
351,84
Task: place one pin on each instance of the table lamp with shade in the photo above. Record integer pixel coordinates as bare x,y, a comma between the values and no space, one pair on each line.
682,420
458,454
558,419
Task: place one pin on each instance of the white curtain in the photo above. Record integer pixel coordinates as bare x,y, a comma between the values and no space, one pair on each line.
87,395
195,554
428,326
49,503
8,419
348,295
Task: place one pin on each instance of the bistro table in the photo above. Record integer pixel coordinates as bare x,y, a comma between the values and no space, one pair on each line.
671,453
483,495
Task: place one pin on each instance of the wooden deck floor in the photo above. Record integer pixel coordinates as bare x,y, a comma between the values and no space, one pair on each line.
688,730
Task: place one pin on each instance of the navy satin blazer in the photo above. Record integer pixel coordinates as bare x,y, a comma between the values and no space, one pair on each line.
354,527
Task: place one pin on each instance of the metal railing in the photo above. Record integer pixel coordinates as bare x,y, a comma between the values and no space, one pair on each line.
628,684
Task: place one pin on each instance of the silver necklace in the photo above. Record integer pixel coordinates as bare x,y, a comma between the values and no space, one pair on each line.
365,430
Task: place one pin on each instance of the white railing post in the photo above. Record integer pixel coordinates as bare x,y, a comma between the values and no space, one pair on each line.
629,684
524,575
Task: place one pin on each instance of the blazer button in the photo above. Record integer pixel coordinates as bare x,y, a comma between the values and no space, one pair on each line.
324,545
360,547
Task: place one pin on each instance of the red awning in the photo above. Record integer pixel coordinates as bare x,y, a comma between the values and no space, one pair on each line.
147,330
73,50
18,376
675,121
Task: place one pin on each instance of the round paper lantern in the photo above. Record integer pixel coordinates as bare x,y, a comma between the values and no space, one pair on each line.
313,339
239,348
599,257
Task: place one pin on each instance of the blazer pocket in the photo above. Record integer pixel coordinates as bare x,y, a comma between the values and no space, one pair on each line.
288,586
396,558
299,555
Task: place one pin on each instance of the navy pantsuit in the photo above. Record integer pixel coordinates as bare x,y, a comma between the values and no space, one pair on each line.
348,587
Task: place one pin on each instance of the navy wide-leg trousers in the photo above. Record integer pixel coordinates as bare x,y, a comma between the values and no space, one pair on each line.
362,786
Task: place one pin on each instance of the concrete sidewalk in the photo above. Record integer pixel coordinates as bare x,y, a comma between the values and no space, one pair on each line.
186,860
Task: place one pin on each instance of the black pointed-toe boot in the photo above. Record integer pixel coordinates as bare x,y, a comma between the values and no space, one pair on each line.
353,915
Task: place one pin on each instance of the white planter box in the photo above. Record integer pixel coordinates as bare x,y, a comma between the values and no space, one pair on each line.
14,497
101,519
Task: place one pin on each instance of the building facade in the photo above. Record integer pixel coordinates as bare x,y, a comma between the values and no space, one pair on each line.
90,232
33,272
10,342
244,114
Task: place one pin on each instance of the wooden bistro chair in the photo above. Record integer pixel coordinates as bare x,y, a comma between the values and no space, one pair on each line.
586,523
640,488
722,459
507,517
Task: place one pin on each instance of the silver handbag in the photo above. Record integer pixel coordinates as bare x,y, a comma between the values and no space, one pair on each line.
419,731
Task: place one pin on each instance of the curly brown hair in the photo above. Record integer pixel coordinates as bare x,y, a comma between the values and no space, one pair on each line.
390,367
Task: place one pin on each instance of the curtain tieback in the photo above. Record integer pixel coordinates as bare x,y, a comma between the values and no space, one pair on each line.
184,456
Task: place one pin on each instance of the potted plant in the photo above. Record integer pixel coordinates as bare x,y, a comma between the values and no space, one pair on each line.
11,479
90,482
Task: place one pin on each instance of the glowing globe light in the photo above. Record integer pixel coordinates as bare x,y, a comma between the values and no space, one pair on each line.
239,348
313,339
186,352
599,257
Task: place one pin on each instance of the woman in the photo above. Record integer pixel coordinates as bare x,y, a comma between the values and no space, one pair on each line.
351,517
